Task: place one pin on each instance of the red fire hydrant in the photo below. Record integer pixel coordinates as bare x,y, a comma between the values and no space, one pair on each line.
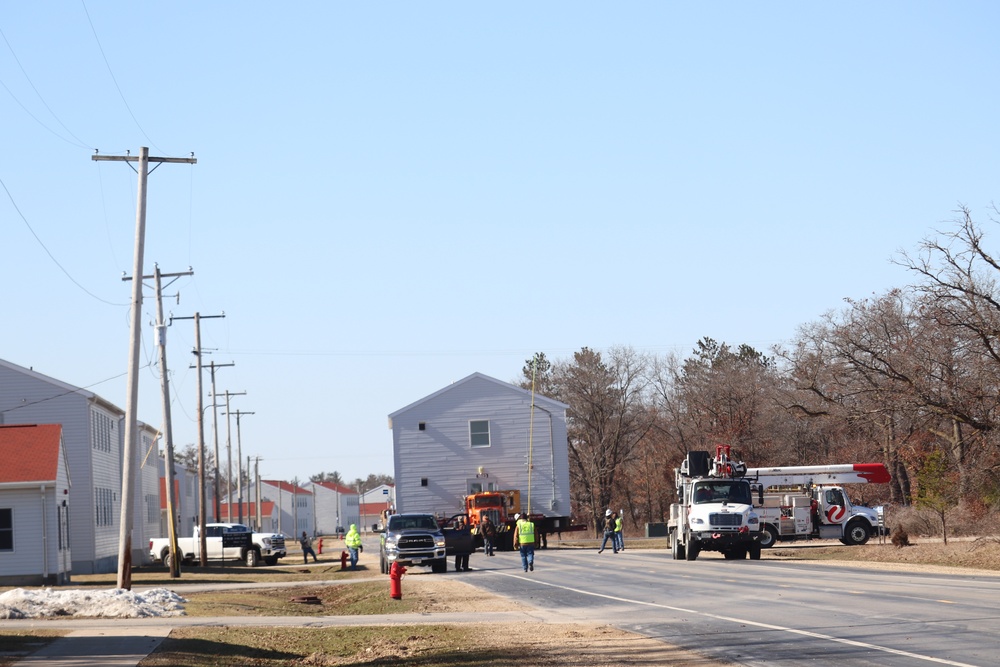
319,550
343,560
396,573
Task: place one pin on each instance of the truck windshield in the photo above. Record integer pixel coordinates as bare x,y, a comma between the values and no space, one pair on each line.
731,491
402,522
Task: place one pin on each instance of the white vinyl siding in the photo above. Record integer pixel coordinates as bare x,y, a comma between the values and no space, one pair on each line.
441,452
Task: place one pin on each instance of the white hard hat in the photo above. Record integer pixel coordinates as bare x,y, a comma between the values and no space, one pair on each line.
607,512
517,516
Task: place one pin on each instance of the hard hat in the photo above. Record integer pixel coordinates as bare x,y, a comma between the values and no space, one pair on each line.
517,516
607,512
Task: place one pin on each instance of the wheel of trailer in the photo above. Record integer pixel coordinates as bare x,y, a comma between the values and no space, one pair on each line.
252,557
768,536
676,548
856,533
754,551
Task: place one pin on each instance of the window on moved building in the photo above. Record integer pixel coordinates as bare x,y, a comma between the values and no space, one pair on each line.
6,530
479,433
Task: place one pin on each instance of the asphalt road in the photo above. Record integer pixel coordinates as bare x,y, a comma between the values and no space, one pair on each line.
764,612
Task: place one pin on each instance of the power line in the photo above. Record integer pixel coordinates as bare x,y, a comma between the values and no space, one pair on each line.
51,256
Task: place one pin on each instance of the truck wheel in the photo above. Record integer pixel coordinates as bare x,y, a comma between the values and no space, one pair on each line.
168,559
381,565
676,548
754,551
439,566
768,536
252,558
692,551
271,560
856,533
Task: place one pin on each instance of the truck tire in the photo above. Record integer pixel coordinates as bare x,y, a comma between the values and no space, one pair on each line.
383,567
676,547
754,551
768,536
856,533
271,560
439,566
166,558
693,549
252,557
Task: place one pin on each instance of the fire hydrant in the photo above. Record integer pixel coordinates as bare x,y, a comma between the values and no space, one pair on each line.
396,573
343,560
319,550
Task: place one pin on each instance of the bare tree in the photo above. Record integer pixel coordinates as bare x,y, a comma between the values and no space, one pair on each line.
606,420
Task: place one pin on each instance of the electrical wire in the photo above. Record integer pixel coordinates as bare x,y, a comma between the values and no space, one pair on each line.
79,142
51,256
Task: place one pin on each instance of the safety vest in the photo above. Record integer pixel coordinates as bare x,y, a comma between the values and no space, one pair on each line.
525,532
353,539
618,525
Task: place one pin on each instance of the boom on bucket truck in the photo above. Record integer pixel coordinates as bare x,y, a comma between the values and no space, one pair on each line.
808,502
714,509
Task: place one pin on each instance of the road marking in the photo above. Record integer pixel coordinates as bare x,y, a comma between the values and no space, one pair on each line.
758,624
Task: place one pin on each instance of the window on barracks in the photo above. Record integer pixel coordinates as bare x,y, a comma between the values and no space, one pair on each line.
479,433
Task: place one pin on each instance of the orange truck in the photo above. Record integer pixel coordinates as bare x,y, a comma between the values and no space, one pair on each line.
500,507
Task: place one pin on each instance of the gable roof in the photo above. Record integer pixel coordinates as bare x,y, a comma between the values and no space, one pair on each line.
30,453
479,376
266,509
62,387
339,488
287,487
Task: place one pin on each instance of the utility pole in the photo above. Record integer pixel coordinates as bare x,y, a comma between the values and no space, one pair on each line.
132,394
168,437
239,459
229,453
215,436
202,510
249,493
256,474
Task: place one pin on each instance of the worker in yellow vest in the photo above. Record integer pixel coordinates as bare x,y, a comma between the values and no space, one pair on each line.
353,543
524,539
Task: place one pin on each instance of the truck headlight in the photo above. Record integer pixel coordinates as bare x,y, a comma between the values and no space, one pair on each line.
390,543
753,520
266,542
697,521
439,542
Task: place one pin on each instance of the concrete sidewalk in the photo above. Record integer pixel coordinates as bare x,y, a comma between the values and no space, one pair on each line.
111,646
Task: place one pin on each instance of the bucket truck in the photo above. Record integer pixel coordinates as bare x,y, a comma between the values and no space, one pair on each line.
714,509
808,502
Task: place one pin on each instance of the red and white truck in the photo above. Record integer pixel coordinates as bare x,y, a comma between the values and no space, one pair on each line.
809,502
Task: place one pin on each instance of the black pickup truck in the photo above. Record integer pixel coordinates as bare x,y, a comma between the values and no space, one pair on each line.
419,539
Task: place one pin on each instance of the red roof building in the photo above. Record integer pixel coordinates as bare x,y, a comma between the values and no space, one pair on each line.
34,506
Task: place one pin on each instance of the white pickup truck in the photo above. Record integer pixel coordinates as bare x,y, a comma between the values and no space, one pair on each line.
223,541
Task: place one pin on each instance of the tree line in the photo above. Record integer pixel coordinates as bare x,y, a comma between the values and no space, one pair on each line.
910,378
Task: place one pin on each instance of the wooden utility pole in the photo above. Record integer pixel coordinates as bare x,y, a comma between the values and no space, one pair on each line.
215,436
229,452
256,474
202,509
239,459
132,394
168,431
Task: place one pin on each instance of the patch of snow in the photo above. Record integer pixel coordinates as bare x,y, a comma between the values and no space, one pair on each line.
115,603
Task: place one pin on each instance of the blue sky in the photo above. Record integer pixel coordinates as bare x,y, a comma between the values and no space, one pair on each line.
392,196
